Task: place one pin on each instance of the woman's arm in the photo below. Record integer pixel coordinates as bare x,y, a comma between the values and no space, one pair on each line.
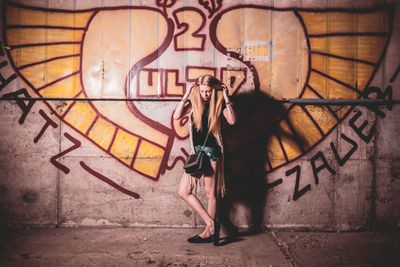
180,109
229,112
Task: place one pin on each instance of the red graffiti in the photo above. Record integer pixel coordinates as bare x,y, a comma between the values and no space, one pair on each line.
60,166
108,181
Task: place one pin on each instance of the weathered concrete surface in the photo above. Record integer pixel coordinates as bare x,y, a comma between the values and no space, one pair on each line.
133,247
168,247
343,249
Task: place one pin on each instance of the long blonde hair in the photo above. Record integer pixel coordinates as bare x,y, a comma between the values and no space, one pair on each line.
216,101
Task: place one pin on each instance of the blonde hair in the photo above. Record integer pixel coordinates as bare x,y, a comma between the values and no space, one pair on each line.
216,101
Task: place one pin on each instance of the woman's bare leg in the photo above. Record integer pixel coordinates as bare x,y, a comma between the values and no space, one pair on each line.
209,186
185,192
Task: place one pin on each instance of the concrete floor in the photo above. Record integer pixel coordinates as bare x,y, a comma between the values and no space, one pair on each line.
168,247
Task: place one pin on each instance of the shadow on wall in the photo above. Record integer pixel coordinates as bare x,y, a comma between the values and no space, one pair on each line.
245,160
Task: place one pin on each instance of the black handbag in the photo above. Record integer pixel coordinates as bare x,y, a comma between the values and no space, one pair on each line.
198,163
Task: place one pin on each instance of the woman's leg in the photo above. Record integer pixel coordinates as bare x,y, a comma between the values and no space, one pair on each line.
185,192
209,187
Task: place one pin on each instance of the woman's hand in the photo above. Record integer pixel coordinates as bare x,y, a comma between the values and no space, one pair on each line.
229,112
179,111
226,91
186,96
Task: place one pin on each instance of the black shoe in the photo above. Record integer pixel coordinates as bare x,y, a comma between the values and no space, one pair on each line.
198,239
217,227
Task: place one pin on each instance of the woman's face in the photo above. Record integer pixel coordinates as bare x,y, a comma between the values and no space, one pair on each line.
205,92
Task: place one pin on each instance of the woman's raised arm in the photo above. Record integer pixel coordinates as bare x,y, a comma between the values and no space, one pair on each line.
229,111
179,111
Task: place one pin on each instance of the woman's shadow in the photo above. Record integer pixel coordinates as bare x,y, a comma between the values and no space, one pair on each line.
245,162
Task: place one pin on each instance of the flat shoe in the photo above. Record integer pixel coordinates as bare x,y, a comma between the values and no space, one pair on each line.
198,239
217,228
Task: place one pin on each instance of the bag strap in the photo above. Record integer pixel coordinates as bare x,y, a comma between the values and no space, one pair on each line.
205,141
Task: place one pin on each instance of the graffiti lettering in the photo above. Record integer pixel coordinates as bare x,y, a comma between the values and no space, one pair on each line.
343,160
324,165
379,95
165,82
149,82
359,129
26,106
192,20
108,181
21,103
297,194
239,35
234,79
172,86
274,183
320,156
60,166
5,81
45,126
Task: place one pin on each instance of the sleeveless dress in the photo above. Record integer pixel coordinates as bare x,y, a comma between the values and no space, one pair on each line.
204,141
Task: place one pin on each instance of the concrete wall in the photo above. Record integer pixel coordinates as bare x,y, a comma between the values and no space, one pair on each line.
73,162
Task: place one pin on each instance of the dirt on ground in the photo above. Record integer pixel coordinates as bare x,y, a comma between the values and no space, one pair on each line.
168,247
343,249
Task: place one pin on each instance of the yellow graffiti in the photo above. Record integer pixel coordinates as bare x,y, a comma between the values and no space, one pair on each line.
348,73
248,31
53,55
340,66
96,53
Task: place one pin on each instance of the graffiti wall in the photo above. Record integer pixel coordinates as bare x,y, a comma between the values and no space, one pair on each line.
98,145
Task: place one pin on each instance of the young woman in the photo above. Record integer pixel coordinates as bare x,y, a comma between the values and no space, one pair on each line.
206,100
